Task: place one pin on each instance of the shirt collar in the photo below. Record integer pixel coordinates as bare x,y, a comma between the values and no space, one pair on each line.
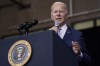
64,27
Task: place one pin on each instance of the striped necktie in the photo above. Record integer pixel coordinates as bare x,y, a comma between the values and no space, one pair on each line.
59,31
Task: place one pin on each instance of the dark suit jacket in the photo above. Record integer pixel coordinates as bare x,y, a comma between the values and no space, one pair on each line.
74,35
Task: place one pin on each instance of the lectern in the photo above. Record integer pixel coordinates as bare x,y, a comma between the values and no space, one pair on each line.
47,50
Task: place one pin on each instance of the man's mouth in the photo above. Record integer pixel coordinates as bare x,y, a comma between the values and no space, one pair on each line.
58,19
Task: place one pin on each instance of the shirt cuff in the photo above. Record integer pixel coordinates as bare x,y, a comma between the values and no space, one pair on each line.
81,54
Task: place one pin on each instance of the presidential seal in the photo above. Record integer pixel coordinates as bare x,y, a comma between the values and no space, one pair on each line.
19,53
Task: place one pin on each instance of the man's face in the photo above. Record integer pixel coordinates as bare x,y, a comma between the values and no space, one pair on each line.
59,13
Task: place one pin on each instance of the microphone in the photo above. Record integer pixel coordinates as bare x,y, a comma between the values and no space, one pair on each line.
57,23
27,25
30,24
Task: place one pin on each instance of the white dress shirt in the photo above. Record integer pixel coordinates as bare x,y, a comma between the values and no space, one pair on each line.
63,31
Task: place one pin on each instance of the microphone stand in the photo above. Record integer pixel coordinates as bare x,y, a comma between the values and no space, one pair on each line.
26,31
24,28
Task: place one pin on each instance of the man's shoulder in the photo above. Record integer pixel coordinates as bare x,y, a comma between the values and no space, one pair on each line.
74,30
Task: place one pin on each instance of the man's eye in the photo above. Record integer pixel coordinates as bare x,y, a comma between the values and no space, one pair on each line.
62,11
55,11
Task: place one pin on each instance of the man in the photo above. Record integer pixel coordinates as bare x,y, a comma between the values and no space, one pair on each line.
70,36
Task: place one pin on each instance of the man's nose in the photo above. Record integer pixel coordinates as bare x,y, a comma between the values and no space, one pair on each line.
58,13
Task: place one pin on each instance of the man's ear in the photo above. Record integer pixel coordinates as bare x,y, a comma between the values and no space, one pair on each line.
51,17
67,16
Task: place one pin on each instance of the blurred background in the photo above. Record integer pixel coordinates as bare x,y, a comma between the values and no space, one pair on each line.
84,15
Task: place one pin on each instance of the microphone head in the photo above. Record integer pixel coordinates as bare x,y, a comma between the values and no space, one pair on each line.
57,23
27,25
34,22
21,26
30,24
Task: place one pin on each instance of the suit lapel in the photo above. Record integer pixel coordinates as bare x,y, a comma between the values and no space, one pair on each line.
67,34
